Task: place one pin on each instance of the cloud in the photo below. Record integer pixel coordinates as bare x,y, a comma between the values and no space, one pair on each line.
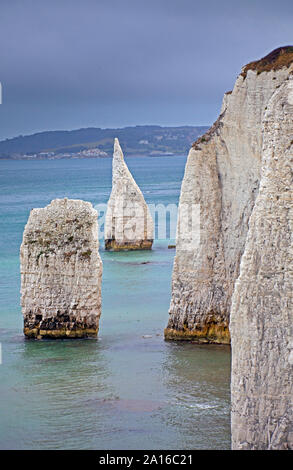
66,64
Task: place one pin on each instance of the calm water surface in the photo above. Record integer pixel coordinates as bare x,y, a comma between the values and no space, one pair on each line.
121,391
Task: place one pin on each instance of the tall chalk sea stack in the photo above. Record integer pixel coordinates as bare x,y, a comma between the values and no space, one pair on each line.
262,304
222,176
61,271
129,224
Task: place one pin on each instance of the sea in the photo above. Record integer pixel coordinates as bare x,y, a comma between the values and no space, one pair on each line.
128,389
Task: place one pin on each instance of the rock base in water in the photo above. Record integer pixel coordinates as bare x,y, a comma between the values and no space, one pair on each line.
114,245
38,333
212,333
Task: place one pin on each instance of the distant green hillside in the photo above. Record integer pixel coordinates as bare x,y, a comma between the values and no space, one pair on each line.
138,140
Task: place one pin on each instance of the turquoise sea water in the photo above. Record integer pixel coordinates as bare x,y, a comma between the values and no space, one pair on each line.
121,391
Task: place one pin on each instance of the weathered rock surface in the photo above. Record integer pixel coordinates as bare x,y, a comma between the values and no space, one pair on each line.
222,175
128,225
61,271
262,304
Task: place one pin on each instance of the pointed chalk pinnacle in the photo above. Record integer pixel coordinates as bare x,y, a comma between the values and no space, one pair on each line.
129,225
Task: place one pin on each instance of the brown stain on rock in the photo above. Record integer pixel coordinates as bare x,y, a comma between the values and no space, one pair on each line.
210,333
113,245
38,333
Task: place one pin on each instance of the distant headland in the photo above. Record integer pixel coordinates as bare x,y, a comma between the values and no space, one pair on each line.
95,142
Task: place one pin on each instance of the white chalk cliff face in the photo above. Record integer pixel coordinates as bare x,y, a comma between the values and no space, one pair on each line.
129,224
262,305
61,271
222,175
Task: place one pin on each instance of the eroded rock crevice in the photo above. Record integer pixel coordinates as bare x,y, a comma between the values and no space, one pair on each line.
262,304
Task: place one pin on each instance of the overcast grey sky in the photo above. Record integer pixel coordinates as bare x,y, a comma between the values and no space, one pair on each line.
67,64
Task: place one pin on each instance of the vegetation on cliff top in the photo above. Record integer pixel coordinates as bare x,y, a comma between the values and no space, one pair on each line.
278,58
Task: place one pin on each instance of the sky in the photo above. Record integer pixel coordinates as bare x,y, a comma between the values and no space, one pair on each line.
67,64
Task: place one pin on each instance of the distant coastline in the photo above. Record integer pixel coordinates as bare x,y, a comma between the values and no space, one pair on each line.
97,143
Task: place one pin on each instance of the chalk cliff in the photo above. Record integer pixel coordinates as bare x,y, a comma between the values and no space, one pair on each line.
129,224
262,304
61,271
222,175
